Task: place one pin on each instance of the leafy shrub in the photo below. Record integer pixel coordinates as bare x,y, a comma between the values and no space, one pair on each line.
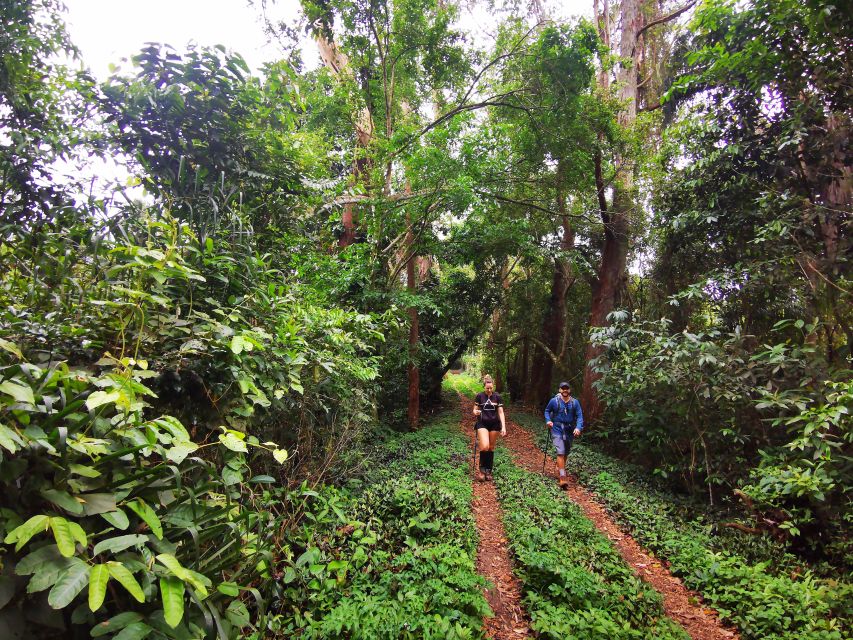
699,405
127,522
142,374
392,557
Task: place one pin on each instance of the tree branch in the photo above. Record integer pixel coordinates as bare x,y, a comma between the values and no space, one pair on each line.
666,18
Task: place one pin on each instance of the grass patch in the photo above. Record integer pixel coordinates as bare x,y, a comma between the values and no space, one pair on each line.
763,599
575,583
393,555
464,383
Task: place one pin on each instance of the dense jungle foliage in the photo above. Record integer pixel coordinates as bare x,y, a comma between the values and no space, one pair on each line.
198,360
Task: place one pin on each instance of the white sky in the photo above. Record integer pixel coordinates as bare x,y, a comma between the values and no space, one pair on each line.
106,31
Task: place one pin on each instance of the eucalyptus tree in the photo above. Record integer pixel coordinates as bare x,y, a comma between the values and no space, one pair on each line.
410,79
553,124
622,215
752,234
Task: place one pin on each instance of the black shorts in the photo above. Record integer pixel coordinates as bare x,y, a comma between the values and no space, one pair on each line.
490,427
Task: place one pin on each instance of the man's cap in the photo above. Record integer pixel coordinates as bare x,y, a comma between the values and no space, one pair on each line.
565,385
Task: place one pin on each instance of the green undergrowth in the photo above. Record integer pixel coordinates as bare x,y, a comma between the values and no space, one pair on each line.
575,583
463,383
392,555
769,599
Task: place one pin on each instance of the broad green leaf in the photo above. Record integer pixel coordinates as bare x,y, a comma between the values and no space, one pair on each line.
148,516
64,500
280,455
9,439
22,534
237,614
229,589
99,398
199,582
30,563
134,631
171,563
119,543
63,536
83,470
116,623
117,518
99,576
179,452
11,348
240,344
124,577
233,442
172,594
48,572
68,585
20,392
95,503
78,534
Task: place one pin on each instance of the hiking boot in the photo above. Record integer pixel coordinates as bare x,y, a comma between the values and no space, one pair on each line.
488,476
564,483
480,476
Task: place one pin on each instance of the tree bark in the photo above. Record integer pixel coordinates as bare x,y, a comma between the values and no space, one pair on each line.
413,373
554,323
338,63
614,251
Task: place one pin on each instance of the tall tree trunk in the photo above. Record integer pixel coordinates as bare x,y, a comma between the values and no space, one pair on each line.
414,375
496,344
554,323
614,251
338,63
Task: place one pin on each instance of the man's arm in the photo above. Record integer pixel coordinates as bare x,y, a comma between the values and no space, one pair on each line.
578,418
548,419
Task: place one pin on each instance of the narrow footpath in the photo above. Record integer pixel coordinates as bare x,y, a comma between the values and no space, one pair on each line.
680,604
494,562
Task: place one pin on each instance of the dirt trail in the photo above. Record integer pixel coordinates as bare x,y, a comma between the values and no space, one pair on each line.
680,604
493,558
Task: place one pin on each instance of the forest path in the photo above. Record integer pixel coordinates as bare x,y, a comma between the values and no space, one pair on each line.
494,562
680,604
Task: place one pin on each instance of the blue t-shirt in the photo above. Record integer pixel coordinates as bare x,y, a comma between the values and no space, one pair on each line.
564,413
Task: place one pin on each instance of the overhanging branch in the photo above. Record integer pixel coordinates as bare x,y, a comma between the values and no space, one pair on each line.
666,18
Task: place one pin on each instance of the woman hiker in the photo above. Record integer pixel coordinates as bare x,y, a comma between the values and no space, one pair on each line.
489,409
564,418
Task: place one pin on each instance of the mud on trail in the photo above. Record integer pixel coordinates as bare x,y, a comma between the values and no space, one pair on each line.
494,562
680,604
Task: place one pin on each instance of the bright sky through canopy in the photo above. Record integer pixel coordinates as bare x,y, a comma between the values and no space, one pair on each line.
108,30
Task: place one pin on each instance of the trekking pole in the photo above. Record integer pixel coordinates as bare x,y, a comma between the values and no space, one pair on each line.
545,451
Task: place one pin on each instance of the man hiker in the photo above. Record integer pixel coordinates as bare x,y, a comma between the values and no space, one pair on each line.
564,418
489,409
